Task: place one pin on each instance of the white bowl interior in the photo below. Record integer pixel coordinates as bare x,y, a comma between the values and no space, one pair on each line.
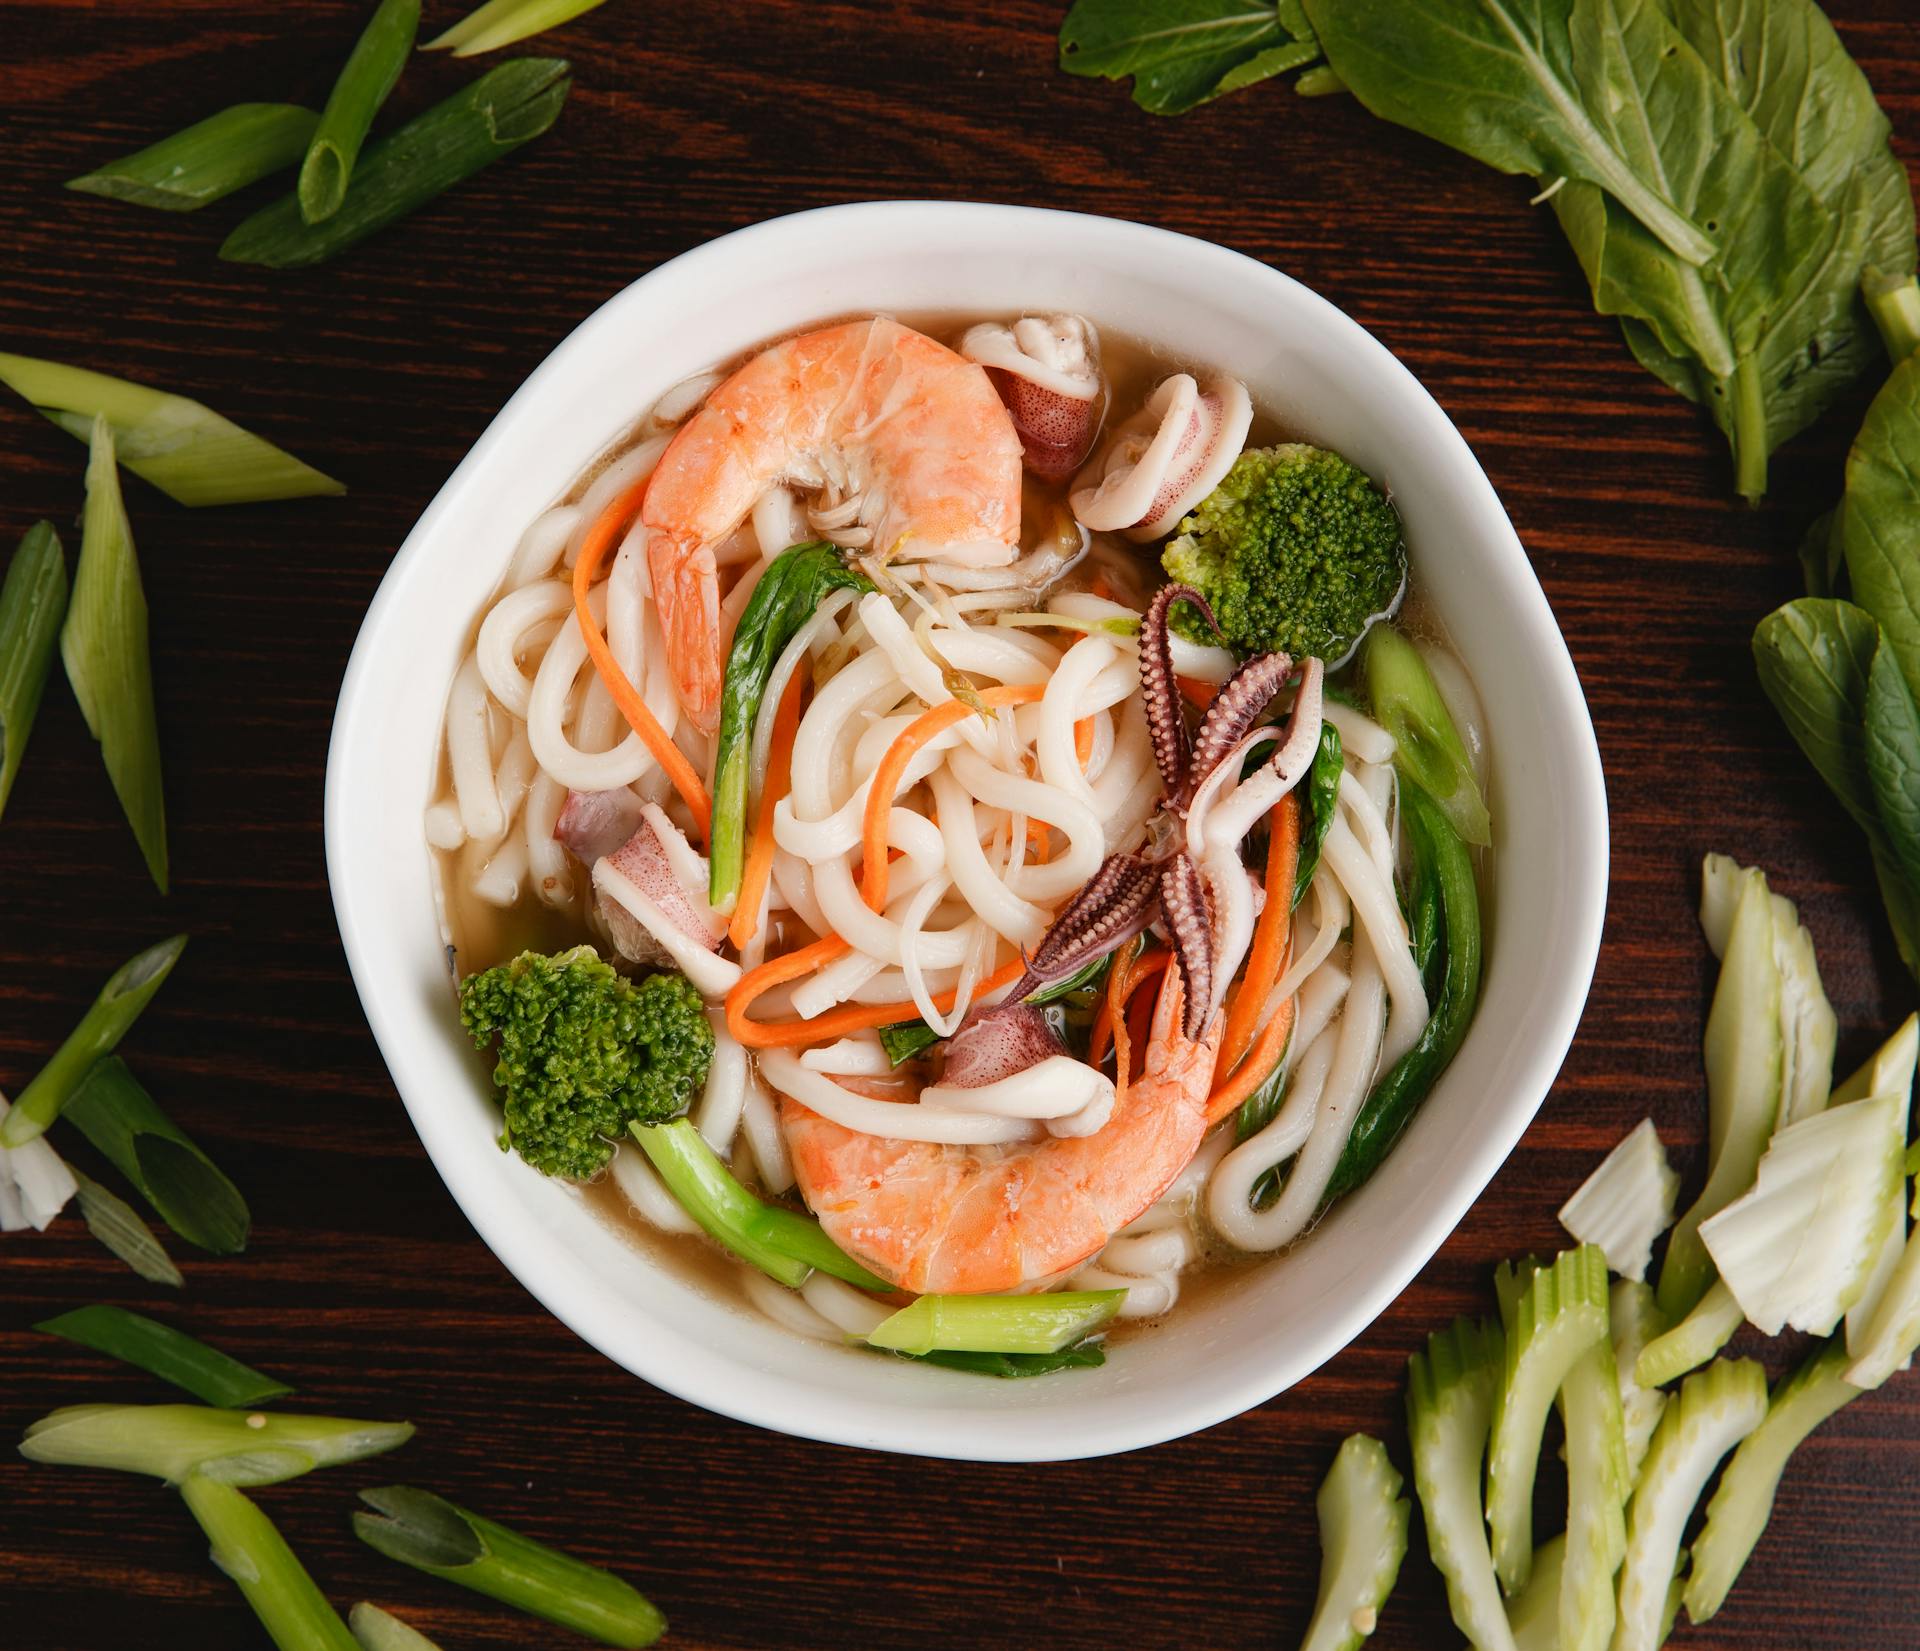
1325,376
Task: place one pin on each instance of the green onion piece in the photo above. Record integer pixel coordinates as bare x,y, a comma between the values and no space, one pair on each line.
503,109
173,1356
248,1547
433,1535
32,603
1084,1356
118,1226
784,1245
207,161
104,646
188,451
186,1188
379,1630
997,1324
371,70
127,991
1408,704
501,22
173,1441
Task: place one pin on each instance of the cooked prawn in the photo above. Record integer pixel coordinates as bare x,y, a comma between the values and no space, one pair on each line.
884,416
981,1219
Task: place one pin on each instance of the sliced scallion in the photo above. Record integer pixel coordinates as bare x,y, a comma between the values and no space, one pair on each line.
379,1630
207,161
172,1355
997,1324
117,1225
188,451
174,1441
502,22
369,75
186,1188
503,109
128,990
250,1549
32,603
431,1534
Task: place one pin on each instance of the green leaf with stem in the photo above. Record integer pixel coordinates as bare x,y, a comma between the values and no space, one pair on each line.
208,160
1813,656
1043,1323
172,1355
236,1447
118,1226
33,600
251,1550
371,70
1893,759
503,22
1430,752
1182,53
1879,524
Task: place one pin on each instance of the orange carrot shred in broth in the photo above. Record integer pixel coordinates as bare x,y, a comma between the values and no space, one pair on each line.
1083,742
1267,956
1261,1059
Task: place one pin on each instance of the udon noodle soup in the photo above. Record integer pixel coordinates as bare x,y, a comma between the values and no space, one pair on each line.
1065,931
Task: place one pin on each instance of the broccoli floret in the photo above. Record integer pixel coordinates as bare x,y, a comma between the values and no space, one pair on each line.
584,1052
1297,551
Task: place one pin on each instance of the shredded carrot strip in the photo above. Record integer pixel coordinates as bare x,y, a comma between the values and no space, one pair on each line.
1197,692
1101,586
1261,1059
759,866
1112,1001
600,538
1138,1022
1268,953
835,1023
1040,841
1083,741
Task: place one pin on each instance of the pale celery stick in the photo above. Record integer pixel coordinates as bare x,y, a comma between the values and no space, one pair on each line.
1625,1204
173,1441
1694,1340
33,599
1715,1409
188,451
1450,1386
248,1547
502,22
1598,1485
1738,1513
1533,1614
1560,1314
1363,1538
1636,1321
206,161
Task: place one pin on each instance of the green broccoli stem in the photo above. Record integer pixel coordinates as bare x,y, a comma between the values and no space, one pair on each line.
784,1245
248,1547
1043,1323
1894,303
1749,432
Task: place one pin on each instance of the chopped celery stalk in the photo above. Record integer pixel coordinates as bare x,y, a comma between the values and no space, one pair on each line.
1738,1513
1714,1410
1363,1538
1533,1614
188,451
1891,1068
997,1324
379,1630
784,1245
1626,1203
248,1547
1888,1340
103,644
208,160
1744,1060
117,1225
205,1372
1694,1340
36,1184
1510,1279
502,22
1798,1249
32,602
1637,1321
1450,1384
173,1441
185,1187
433,1535
494,116
127,991
1560,1314
369,75
1408,704
1598,1485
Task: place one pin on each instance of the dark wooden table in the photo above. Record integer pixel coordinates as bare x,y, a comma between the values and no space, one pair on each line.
364,1286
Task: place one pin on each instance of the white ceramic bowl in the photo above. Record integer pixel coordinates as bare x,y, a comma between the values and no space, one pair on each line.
1320,372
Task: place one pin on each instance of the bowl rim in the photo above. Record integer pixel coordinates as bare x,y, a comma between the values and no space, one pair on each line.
683,1366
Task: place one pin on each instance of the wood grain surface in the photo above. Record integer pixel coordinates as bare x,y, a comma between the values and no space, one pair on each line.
364,1286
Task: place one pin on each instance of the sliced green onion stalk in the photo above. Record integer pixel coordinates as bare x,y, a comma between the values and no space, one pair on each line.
236,1447
1738,1513
128,990
1715,1409
1893,299
188,451
402,171
433,1535
1560,1313
186,1188
104,646
172,1355
1694,1340
502,22
379,1630
783,1244
1598,1485
1363,1538
32,603
997,1324
207,161
1408,704
369,75
251,1550
118,1227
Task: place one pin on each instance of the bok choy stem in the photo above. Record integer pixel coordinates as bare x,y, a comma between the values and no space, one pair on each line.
370,73
32,603
208,160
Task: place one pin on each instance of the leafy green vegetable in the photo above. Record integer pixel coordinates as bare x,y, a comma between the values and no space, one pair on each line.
907,1038
1813,656
32,602
208,160
1086,1355
1322,791
1427,747
172,1355
248,1547
1880,521
1182,53
1893,759
371,70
